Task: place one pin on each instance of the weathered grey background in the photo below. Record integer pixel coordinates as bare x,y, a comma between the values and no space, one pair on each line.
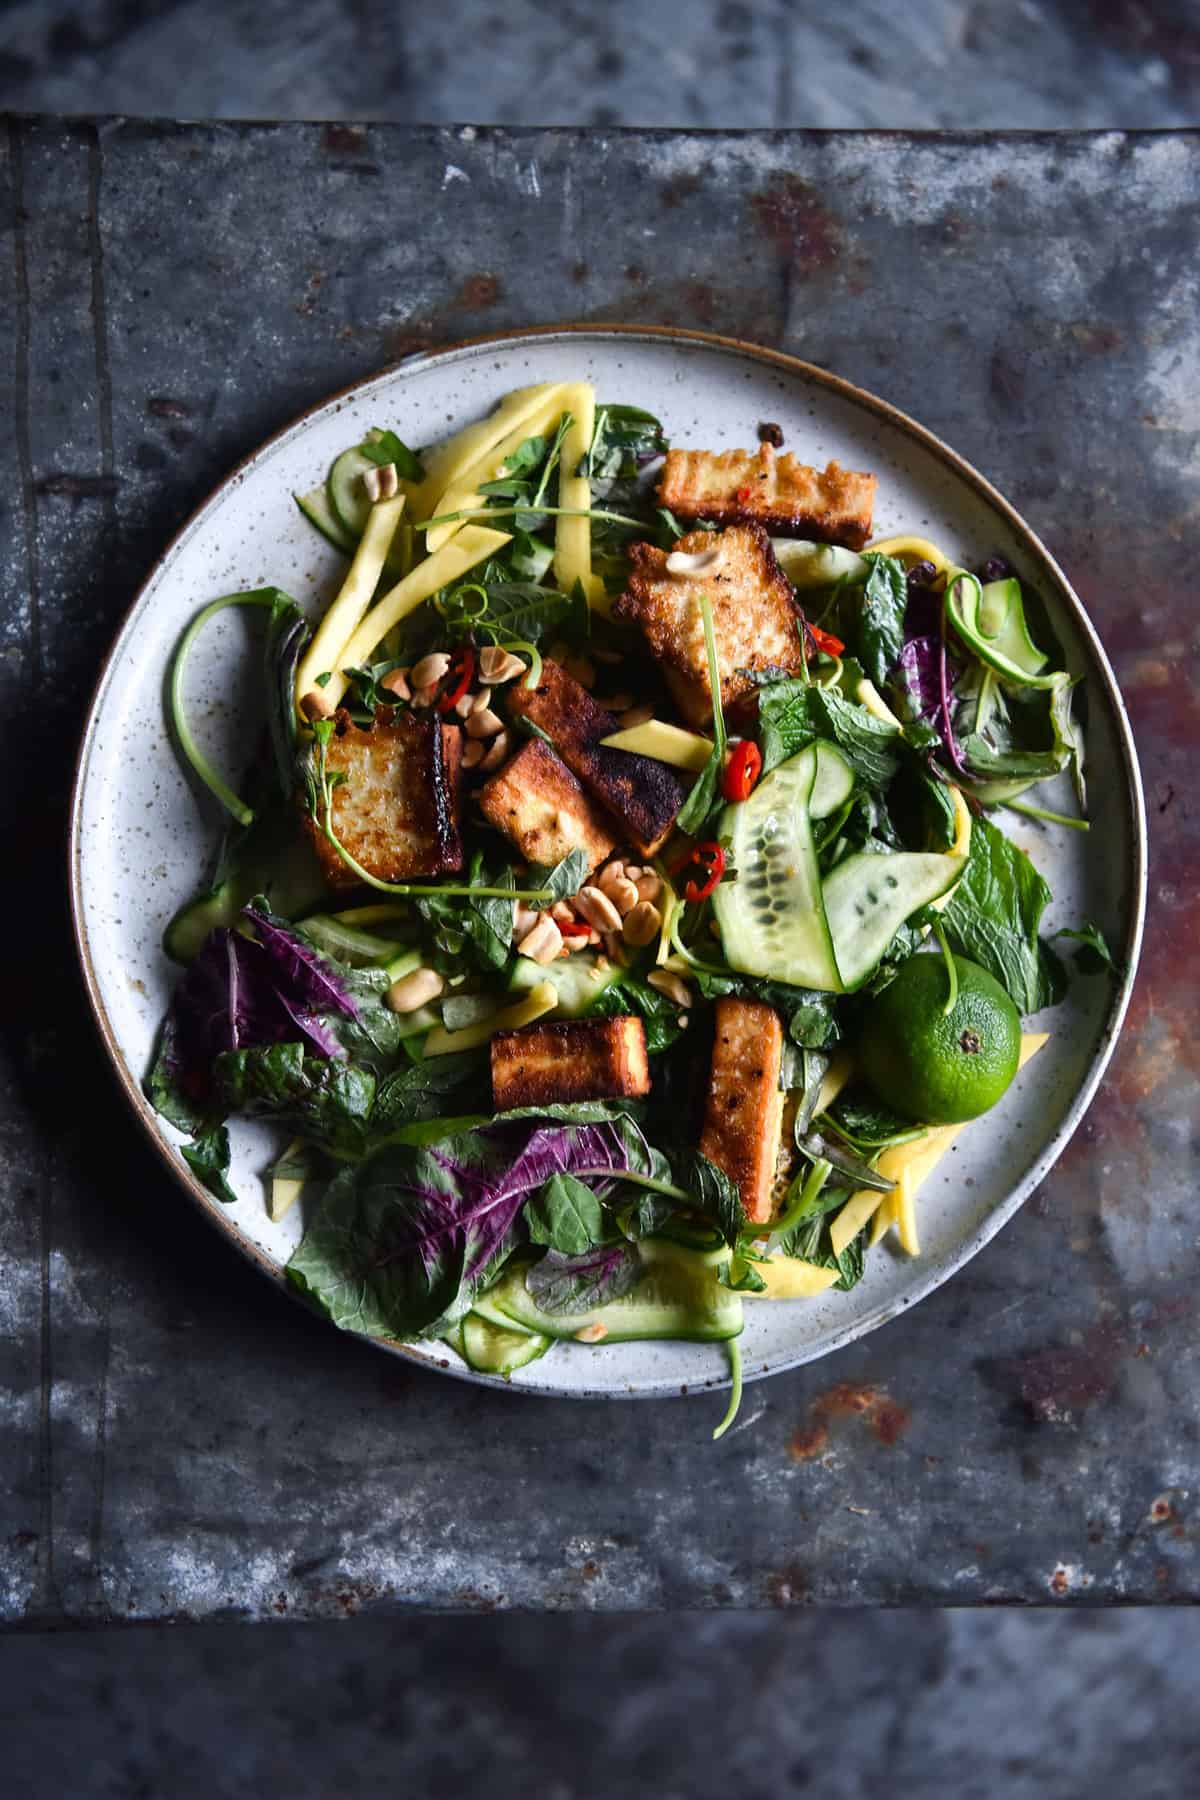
180,1444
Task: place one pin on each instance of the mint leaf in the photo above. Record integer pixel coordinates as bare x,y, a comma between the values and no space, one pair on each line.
566,1216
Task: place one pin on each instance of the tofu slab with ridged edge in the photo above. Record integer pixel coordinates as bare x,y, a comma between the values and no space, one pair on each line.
755,617
735,487
572,1059
743,1112
397,810
642,794
538,804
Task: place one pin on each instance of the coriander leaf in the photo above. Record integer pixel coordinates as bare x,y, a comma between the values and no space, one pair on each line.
879,625
566,1215
385,447
207,1156
993,918
792,714
569,1284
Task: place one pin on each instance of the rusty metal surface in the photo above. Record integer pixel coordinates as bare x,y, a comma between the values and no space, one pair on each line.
181,1442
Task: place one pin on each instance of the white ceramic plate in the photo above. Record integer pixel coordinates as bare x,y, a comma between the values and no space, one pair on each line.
141,838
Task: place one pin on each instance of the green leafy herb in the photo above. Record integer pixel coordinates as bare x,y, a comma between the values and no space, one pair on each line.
383,447
326,1100
879,625
741,1275
810,1241
993,918
710,1191
207,1156
810,1016
1094,955
562,881
571,1284
866,1123
566,1215
623,436
792,714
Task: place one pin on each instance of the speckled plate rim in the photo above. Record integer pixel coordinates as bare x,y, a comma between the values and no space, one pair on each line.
513,340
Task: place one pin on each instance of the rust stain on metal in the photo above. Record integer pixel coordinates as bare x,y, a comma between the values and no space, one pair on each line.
791,1587
478,292
343,140
794,217
885,1417
1055,1383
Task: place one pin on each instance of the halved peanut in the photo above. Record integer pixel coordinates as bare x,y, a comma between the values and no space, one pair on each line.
642,924
484,724
431,669
497,751
315,706
473,752
397,683
649,886
415,990
592,1334
544,942
671,986
499,666
482,700
597,909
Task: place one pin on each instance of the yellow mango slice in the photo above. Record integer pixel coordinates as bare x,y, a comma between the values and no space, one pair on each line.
788,1278
667,743
354,596
462,494
473,545
447,462
573,537
910,549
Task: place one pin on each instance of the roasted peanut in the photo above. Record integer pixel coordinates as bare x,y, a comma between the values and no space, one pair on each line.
670,985
499,666
397,683
543,943
412,991
315,706
642,924
484,724
597,909
431,669
497,751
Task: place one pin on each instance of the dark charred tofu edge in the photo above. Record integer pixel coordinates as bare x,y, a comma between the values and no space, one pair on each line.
744,1108
541,808
732,487
755,619
642,794
576,1059
397,812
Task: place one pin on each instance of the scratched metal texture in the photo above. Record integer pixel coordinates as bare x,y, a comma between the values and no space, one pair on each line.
181,1442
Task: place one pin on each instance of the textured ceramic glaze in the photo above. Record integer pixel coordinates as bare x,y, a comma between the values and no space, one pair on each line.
143,838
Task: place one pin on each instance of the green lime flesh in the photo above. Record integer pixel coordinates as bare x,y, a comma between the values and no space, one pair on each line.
935,1067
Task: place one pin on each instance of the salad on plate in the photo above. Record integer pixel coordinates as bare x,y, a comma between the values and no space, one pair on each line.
615,917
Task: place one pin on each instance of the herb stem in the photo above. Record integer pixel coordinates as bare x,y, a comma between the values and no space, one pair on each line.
196,758
646,1181
951,969
815,1180
1043,812
734,1352
549,512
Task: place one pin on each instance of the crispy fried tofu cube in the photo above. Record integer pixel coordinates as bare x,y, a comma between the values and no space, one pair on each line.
755,618
735,487
575,1059
537,802
397,810
744,1109
642,794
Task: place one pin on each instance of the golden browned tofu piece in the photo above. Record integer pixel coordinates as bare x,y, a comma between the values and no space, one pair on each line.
736,487
642,794
755,618
537,802
744,1110
577,1059
397,810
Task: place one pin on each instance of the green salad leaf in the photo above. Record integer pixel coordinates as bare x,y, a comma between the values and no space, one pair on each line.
993,918
792,714
567,1216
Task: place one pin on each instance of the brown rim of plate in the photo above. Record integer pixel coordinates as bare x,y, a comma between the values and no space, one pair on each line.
882,409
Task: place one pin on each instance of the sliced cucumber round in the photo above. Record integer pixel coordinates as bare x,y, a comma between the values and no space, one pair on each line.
772,918
316,507
677,1296
868,898
578,980
833,782
347,496
493,1349
809,565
